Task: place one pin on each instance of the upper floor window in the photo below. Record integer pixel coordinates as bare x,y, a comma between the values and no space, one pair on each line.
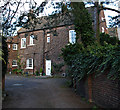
14,46
29,63
23,43
103,30
31,39
14,63
72,36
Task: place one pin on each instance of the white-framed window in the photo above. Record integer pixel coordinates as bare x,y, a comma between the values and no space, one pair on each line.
23,43
72,36
14,46
103,30
29,63
14,63
48,39
31,39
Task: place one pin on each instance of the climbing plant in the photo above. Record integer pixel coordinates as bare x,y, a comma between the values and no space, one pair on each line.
90,56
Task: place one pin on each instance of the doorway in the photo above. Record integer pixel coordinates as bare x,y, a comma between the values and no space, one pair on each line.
48,67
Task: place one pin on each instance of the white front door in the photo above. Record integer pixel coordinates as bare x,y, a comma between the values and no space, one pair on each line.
48,67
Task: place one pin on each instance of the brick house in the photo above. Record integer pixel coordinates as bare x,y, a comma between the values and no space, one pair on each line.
12,52
52,36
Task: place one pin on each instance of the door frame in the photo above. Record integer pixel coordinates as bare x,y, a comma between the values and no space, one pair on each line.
46,67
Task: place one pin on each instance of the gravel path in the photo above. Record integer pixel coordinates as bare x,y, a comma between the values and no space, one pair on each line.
36,92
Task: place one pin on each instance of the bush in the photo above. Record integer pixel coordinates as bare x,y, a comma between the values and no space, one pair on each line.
106,38
58,67
37,73
94,59
41,70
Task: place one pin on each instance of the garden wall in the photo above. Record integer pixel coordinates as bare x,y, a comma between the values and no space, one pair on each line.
82,88
106,93
102,91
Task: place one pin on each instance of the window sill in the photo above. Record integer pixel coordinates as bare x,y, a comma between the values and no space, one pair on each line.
30,45
14,65
13,49
23,48
29,68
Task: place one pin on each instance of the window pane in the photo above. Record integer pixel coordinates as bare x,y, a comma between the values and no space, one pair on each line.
14,62
48,39
14,46
31,39
29,63
23,42
72,36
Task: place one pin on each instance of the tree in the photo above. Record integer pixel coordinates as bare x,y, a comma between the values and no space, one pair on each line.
12,10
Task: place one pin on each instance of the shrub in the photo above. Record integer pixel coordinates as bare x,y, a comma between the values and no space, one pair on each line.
36,73
95,59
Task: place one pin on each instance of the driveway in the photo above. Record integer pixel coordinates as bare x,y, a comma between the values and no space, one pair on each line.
36,92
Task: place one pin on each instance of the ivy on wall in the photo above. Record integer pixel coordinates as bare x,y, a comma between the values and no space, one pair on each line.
93,59
91,56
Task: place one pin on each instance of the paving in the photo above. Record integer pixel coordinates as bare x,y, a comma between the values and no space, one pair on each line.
37,92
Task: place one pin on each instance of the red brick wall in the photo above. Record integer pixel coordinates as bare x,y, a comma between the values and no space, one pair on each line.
12,54
29,51
50,50
106,93
53,49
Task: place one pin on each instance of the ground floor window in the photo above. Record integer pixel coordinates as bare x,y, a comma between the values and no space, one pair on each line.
29,63
14,63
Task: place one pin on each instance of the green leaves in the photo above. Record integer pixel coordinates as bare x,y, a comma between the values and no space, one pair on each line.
93,59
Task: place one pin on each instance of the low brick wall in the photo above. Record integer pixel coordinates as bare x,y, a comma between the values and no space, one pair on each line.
100,90
106,93
81,87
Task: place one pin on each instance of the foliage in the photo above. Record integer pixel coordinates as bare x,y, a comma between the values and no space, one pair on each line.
71,50
41,70
95,59
17,71
106,38
20,65
91,56
58,67
37,73
11,10
83,23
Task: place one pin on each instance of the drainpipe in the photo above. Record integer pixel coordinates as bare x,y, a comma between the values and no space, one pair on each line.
33,62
